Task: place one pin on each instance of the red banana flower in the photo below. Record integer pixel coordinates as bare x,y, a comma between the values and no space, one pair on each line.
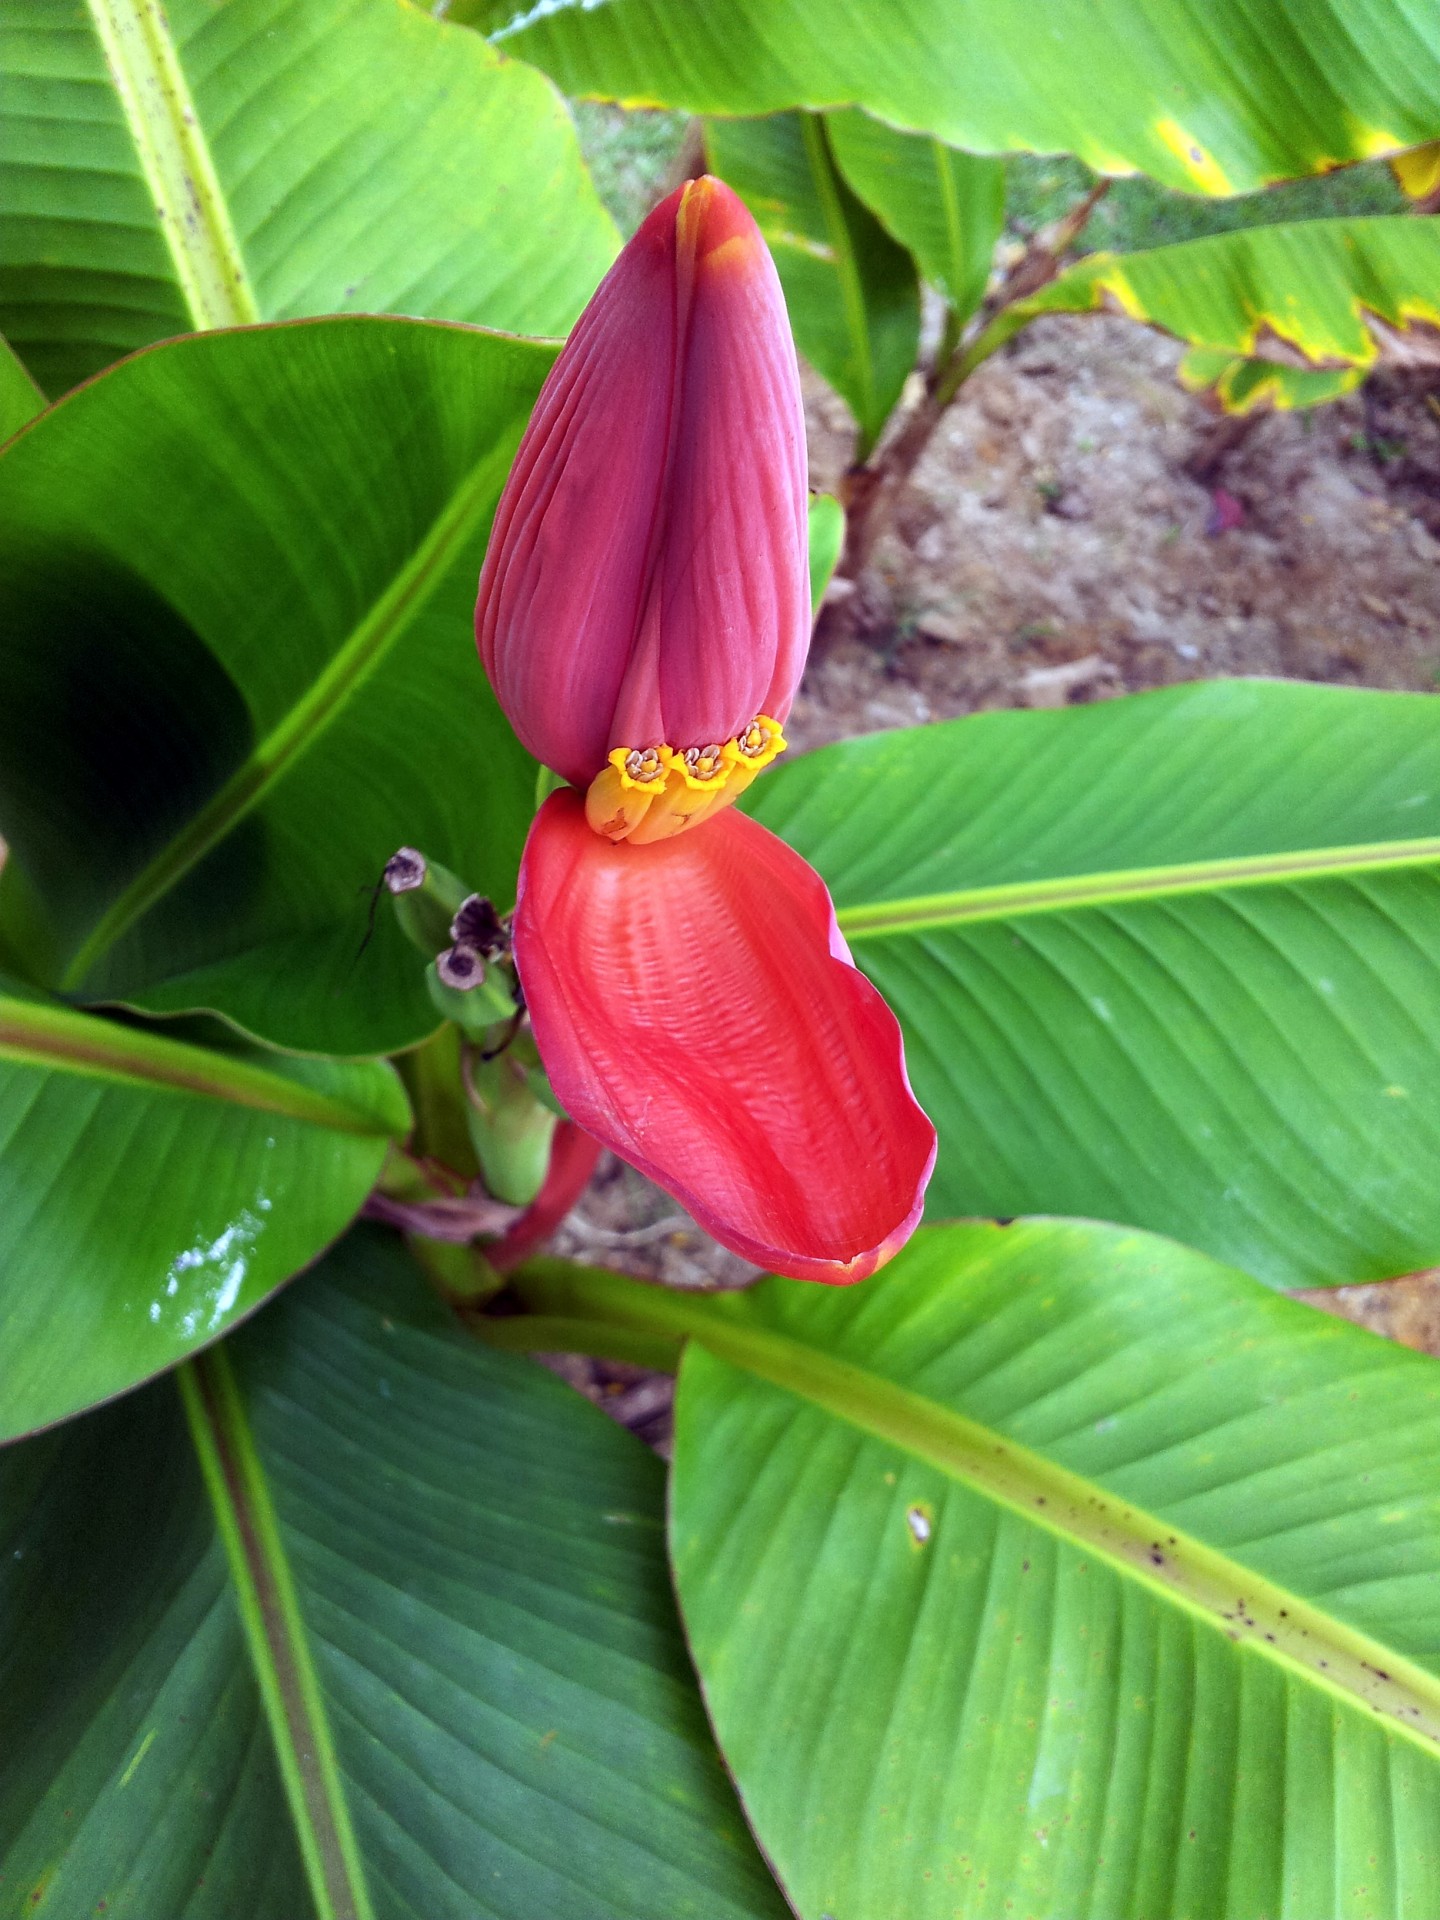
644,609
643,617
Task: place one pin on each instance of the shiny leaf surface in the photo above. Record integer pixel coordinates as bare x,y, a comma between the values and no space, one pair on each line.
236,576
1218,96
1172,960
153,1192
946,207
424,1612
1287,315
1062,1570
203,165
851,290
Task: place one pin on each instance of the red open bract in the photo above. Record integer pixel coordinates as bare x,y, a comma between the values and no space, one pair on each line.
647,580
697,1010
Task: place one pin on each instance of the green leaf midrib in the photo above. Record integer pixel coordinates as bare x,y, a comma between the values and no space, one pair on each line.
353,662
164,125
35,1033
276,1636
883,919
1226,1595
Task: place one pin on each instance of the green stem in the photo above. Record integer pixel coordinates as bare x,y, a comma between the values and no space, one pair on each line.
875,921
949,341
554,1333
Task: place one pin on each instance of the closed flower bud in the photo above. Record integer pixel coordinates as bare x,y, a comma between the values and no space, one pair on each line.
644,610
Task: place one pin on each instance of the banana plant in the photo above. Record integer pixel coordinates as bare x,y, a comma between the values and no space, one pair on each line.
1024,1547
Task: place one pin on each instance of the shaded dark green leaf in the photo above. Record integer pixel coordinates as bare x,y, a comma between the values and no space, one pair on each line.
454,1624
236,576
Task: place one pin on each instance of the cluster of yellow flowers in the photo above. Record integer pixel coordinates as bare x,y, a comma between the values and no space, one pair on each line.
649,793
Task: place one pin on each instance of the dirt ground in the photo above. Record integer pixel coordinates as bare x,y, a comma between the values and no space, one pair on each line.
1081,527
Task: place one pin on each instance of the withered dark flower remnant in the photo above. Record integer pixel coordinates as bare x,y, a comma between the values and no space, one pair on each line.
460,967
404,871
644,617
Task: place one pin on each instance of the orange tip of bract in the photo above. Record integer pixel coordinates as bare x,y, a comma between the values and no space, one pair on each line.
697,1011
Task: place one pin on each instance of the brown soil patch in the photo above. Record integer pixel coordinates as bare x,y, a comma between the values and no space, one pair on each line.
1057,541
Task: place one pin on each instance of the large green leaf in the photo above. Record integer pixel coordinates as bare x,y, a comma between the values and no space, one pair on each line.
152,1192
1172,960
1055,1571
205,164
1288,314
946,207
432,1626
1219,95
852,293
236,582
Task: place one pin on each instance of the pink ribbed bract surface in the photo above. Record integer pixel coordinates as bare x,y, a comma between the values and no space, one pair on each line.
698,1012
647,577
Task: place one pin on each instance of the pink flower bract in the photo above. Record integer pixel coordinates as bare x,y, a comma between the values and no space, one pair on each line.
647,578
